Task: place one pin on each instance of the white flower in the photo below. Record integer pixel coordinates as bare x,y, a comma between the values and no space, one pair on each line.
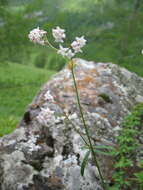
78,44
66,52
81,41
45,116
70,54
142,51
76,47
63,51
36,35
58,34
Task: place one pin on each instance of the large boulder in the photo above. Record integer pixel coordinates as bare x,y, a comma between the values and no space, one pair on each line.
45,151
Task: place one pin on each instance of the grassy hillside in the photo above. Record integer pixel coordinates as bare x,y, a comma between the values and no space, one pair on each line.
18,85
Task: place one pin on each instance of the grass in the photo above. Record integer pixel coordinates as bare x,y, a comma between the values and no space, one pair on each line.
18,85
7,125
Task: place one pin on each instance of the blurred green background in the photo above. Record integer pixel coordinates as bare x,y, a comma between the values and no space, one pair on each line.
113,29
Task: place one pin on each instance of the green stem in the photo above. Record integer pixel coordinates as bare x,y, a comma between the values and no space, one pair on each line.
76,130
48,43
86,130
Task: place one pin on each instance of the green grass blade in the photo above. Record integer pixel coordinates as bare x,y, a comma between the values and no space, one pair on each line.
84,163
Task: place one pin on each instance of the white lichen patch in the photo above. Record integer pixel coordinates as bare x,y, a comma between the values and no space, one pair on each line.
85,64
45,116
96,116
15,172
67,74
57,160
70,161
139,99
73,116
122,88
17,136
30,145
104,70
48,96
74,180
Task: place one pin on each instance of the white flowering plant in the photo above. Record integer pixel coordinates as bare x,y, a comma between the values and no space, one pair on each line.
39,36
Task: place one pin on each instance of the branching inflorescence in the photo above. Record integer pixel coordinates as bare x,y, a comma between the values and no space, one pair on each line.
38,36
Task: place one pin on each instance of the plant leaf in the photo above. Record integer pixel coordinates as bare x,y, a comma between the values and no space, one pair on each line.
104,153
104,147
84,163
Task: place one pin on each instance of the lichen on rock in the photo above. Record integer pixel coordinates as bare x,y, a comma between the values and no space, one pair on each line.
45,151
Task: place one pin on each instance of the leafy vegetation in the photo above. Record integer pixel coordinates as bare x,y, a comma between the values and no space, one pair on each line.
127,168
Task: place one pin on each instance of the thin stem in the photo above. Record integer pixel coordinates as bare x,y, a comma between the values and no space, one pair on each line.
48,43
76,129
54,48
86,129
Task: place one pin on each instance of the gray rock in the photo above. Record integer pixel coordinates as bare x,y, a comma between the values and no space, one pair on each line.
139,99
45,151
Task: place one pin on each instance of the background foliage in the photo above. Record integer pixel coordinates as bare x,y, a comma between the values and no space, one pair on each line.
113,29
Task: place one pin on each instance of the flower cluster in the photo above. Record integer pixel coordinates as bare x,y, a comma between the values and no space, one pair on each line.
37,36
78,44
58,34
66,52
